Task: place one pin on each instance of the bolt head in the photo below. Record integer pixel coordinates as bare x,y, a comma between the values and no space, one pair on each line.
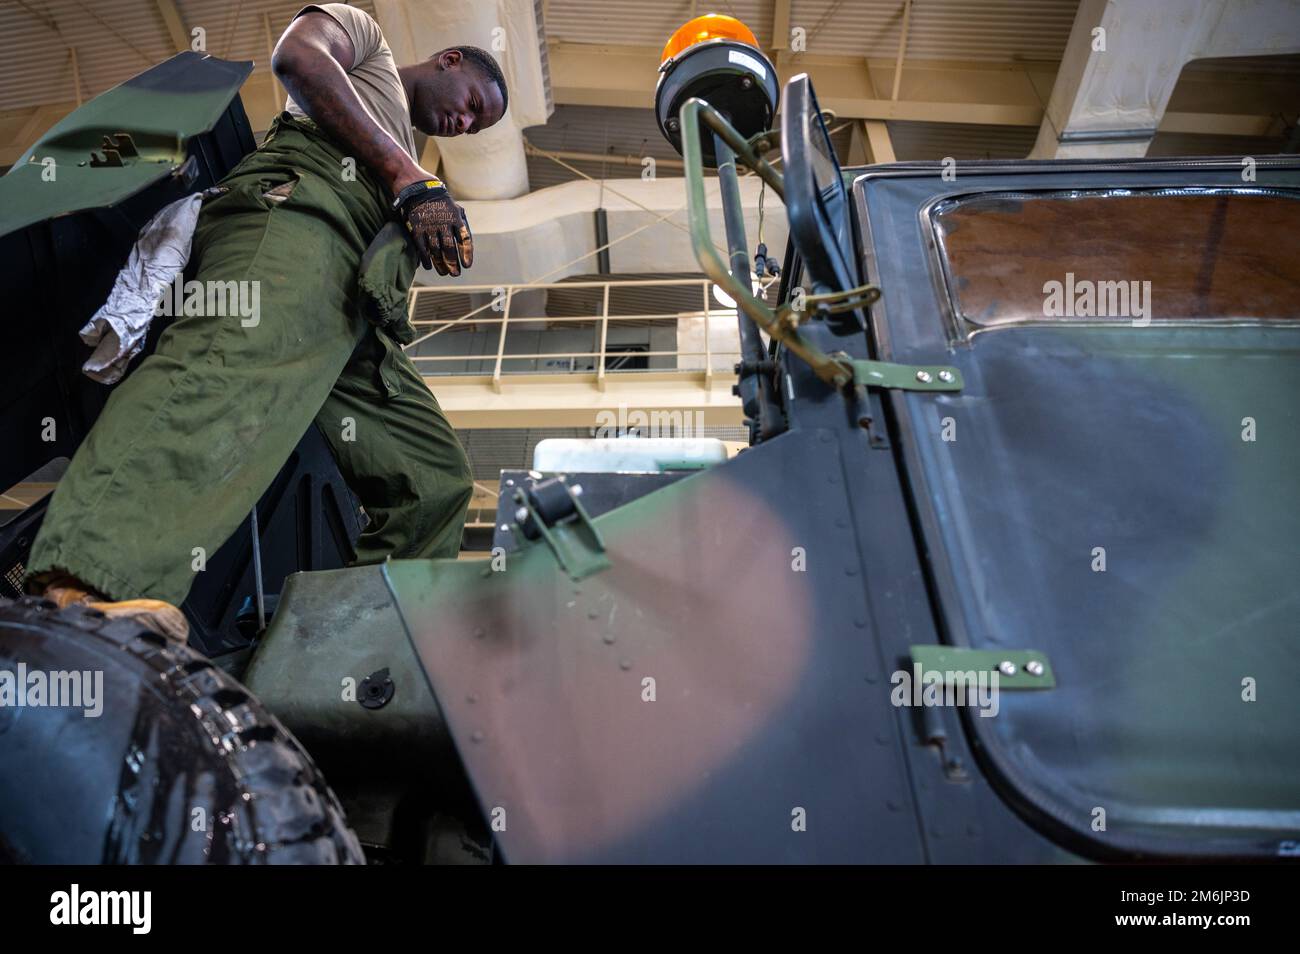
521,514
1034,667
946,377
576,490
924,377
673,125
1007,667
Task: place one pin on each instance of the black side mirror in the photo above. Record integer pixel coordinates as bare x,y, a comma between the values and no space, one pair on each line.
816,200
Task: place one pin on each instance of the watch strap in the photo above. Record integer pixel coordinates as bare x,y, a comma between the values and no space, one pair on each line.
419,188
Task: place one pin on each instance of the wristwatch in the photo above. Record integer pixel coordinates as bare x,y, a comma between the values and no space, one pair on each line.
433,185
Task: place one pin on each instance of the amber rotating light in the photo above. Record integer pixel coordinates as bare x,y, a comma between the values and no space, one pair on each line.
717,59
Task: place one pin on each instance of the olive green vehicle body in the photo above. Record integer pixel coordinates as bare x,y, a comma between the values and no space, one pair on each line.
1102,513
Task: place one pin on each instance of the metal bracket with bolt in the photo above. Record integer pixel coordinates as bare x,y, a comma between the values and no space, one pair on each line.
550,510
906,377
1016,668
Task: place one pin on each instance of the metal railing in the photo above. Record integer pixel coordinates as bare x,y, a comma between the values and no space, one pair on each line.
482,506
605,358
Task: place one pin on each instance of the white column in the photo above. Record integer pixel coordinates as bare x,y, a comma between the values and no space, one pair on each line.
1124,57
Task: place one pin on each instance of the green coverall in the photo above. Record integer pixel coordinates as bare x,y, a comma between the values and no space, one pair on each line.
189,441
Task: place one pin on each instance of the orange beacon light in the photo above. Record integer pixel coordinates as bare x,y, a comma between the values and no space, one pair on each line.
711,26
717,59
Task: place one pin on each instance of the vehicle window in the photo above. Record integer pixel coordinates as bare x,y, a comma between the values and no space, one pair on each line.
1125,256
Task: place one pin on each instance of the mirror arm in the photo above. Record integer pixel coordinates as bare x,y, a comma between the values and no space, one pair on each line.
836,372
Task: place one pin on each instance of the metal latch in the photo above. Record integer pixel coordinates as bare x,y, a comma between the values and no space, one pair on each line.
115,148
1016,668
550,510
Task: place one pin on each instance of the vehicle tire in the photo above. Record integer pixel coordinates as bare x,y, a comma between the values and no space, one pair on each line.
181,765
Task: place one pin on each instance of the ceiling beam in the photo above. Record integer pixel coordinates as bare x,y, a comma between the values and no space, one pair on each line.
880,148
76,73
943,91
1222,124
780,28
857,151
934,91
902,47
278,93
171,19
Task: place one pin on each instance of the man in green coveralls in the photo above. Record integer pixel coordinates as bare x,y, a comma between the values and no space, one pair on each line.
329,217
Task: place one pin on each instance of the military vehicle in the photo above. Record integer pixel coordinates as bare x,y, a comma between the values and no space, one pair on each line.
1006,574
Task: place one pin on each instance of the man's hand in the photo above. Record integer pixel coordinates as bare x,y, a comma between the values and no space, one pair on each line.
437,226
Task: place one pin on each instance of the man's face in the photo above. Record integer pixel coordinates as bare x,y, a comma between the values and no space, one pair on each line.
456,98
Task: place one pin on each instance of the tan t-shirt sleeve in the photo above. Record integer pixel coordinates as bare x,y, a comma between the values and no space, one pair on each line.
373,73
360,27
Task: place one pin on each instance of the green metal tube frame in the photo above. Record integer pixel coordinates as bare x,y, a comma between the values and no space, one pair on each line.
834,371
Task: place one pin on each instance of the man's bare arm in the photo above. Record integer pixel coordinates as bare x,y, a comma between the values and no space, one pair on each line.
311,60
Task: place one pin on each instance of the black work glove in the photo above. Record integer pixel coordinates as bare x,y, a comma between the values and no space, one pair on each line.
436,226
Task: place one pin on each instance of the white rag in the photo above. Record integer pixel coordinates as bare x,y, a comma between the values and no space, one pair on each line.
118,329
